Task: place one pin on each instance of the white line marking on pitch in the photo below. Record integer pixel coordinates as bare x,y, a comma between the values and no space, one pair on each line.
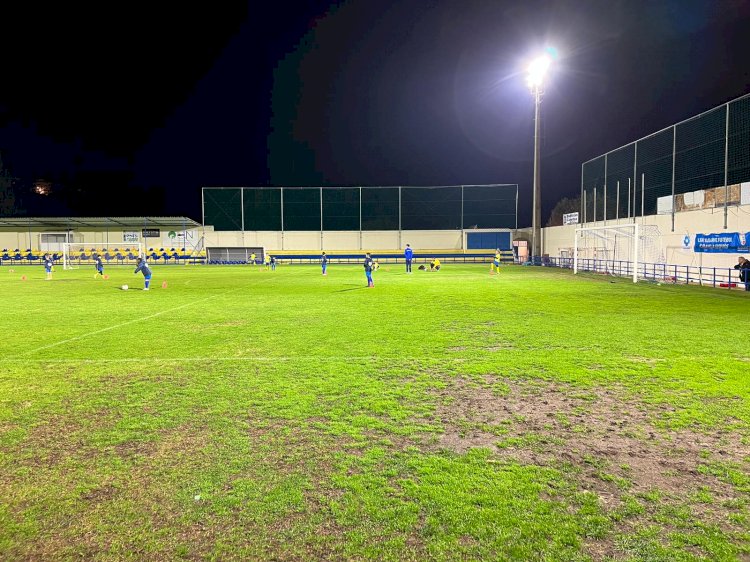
107,329
151,360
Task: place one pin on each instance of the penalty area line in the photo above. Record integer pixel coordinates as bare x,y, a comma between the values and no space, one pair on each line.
121,324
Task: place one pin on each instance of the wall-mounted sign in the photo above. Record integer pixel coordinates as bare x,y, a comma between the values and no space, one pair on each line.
151,233
130,236
570,218
726,243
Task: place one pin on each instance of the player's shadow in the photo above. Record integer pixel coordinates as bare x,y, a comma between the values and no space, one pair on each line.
355,288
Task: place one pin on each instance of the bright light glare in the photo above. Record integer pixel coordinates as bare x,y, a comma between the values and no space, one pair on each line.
537,71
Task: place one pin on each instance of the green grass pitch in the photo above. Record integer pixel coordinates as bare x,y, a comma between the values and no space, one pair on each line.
242,414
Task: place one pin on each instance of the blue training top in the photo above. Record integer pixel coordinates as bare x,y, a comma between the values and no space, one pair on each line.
408,253
143,268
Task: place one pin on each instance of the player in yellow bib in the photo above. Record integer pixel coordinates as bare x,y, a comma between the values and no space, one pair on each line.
495,265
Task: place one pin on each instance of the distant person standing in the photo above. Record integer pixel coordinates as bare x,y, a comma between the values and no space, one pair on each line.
266,261
496,262
273,263
252,258
99,266
743,265
368,264
48,263
324,262
143,267
408,256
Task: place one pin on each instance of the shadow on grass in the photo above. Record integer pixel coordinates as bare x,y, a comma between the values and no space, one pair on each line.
354,288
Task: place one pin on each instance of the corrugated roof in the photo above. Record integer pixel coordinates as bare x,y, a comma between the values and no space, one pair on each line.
96,222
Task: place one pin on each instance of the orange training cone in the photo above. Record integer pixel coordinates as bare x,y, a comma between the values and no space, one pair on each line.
23,278
164,285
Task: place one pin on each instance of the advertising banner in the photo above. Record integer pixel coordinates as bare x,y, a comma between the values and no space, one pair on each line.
724,243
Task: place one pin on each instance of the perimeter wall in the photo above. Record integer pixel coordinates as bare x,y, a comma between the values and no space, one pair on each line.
558,241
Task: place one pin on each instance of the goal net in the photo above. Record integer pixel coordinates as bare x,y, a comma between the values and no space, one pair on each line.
629,250
123,253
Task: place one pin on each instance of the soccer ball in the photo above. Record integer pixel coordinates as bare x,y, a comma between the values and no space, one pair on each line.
124,287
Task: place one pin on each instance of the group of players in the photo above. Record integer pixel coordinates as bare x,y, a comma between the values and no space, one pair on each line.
269,261
370,265
140,266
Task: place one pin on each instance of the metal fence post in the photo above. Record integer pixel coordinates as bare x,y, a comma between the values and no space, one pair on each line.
726,170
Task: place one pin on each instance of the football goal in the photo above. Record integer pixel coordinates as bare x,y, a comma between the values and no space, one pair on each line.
123,253
620,250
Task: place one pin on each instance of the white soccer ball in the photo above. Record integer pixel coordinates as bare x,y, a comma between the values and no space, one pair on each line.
124,287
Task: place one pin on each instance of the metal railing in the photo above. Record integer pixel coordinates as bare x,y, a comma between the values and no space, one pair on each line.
717,277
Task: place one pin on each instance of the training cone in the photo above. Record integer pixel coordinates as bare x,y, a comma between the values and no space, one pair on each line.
23,278
164,285
106,277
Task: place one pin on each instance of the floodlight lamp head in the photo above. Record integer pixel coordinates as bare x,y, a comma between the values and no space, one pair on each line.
537,71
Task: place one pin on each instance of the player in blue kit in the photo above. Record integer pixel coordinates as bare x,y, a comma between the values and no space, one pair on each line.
48,262
408,256
99,266
369,264
324,262
143,267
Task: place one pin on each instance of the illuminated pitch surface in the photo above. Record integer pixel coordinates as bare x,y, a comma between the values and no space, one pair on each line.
241,414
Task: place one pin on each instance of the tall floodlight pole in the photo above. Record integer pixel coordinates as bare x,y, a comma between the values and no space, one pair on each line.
535,79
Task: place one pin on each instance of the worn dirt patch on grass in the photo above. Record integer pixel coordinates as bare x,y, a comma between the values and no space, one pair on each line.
606,439
147,490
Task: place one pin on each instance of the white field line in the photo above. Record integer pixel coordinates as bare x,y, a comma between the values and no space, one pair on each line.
121,324
244,359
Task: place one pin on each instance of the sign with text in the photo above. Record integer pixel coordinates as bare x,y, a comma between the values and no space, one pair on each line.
151,233
725,243
570,218
131,236
178,238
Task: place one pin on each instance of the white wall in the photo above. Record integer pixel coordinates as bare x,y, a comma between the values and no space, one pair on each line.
345,240
381,240
339,240
704,221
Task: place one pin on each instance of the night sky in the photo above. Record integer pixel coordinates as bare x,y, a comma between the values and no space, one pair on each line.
128,109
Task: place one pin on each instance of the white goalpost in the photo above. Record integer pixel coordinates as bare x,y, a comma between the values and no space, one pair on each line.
118,253
617,250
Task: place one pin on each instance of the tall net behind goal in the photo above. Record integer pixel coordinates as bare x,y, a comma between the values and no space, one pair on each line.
629,250
124,253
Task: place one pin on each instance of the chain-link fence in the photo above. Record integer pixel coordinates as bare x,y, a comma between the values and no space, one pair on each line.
695,164
361,208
